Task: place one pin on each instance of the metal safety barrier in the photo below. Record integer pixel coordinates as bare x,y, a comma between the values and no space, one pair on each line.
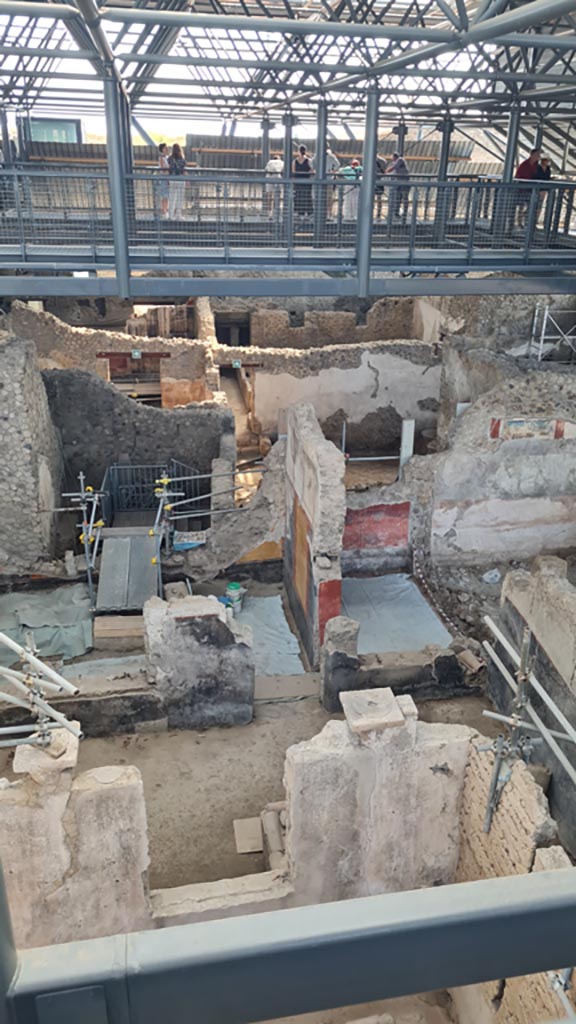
67,221
288,962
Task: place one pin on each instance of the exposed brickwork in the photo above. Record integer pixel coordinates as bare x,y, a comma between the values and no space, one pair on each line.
520,825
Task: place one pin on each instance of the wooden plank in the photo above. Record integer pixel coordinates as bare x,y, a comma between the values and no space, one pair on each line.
112,626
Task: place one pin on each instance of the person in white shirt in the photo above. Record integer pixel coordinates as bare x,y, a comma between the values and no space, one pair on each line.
274,170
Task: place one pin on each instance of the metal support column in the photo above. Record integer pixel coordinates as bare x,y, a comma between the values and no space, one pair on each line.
539,136
366,201
265,125
505,207
288,205
401,131
511,145
446,127
6,144
117,185
321,194
288,121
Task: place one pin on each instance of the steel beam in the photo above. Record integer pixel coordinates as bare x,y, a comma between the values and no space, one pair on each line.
538,282
271,965
284,26
5,136
366,200
115,150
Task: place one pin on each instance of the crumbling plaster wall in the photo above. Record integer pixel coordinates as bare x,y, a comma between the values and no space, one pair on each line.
506,487
32,464
107,311
202,666
372,387
237,534
99,426
74,850
373,801
497,321
520,840
468,373
315,513
387,318
60,345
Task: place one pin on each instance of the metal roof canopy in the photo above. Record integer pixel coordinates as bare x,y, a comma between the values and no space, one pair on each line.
473,60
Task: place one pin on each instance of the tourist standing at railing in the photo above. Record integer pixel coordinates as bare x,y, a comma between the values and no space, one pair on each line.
302,171
162,183
400,193
379,187
526,171
351,191
176,170
274,170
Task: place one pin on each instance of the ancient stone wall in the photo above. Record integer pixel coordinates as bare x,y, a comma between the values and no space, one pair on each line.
59,345
202,666
387,318
521,828
99,426
372,802
467,373
504,490
74,850
101,312
315,512
32,464
434,673
497,321
372,387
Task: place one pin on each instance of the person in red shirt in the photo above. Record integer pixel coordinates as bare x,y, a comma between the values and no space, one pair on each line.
526,171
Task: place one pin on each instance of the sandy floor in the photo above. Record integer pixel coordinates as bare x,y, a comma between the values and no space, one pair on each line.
196,783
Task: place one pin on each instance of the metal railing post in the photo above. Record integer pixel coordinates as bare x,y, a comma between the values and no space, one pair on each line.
321,196
366,200
505,201
117,186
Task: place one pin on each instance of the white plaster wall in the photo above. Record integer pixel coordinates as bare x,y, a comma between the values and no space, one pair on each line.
381,379
478,532
374,816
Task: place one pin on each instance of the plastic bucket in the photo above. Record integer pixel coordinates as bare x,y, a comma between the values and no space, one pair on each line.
235,594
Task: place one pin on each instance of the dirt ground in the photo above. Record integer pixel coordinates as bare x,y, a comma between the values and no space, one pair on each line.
196,783
430,1008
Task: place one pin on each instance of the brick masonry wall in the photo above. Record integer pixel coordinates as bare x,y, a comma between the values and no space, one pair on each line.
517,842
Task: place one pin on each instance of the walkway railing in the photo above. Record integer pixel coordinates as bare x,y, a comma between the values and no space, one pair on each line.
51,220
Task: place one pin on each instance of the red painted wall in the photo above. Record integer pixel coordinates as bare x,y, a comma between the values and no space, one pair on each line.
329,603
379,526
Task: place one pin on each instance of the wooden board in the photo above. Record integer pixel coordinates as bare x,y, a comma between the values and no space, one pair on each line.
107,627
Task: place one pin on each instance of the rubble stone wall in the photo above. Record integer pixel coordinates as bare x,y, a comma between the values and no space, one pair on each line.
32,464
99,426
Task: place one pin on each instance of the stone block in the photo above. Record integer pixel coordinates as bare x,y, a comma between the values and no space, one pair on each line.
248,835
40,763
371,711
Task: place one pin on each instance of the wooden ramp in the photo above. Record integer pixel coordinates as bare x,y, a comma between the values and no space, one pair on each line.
127,573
